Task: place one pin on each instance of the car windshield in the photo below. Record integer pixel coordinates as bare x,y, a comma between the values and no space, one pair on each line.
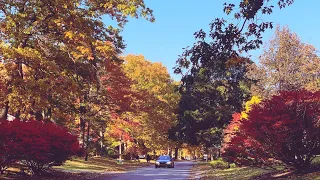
164,158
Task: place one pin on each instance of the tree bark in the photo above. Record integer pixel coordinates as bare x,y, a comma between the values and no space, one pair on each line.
4,111
38,115
87,142
48,114
101,141
120,148
82,111
176,150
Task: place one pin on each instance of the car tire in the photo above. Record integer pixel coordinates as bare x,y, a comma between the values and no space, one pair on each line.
156,166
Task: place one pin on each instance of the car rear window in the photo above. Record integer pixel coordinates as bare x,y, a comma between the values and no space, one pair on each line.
164,158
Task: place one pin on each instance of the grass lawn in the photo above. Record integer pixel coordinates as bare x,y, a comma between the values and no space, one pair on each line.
78,169
100,165
205,171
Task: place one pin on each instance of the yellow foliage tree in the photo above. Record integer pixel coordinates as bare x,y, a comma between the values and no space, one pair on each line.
160,100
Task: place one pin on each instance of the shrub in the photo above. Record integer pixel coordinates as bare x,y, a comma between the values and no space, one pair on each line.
284,128
112,153
6,156
232,165
128,156
36,144
219,164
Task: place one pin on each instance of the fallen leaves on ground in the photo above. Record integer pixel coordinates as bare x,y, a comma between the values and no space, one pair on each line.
78,169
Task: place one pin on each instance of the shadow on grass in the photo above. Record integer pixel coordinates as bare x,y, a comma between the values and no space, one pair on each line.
99,164
313,173
254,173
53,175
77,169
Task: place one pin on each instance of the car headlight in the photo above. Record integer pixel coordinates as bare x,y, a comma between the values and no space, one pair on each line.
169,162
157,163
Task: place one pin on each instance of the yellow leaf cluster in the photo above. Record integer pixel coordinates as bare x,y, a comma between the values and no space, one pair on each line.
248,106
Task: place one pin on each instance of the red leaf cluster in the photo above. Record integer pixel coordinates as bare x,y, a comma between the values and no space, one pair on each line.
121,99
231,130
118,86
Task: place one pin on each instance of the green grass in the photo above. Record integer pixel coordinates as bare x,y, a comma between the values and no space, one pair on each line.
206,172
100,165
238,173
78,169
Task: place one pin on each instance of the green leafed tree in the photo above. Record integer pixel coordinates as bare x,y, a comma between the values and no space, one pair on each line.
212,87
208,99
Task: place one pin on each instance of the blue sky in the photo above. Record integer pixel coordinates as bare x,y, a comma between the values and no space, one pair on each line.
177,20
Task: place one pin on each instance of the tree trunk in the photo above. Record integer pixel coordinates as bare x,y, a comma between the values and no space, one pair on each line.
17,114
20,76
82,111
82,131
120,148
38,115
87,142
4,111
101,141
125,147
48,114
176,150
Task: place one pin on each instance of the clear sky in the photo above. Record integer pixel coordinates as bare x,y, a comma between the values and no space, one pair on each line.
177,20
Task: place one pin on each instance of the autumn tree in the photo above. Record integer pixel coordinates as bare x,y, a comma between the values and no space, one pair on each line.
160,98
285,128
52,52
50,48
232,133
286,64
121,102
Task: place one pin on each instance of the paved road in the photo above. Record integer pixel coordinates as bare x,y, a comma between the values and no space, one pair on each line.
181,171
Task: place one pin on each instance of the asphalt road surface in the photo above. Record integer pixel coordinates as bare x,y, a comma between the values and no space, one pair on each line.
181,171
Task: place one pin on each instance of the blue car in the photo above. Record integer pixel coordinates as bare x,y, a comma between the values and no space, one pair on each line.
164,161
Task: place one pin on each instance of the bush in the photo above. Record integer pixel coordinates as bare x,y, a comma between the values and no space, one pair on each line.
219,164
112,153
232,165
284,128
6,156
128,156
36,144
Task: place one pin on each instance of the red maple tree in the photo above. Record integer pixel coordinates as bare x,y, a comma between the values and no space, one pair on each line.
285,128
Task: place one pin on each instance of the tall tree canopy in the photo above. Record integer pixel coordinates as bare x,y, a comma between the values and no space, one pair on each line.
286,64
214,83
160,99
208,99
52,55
51,50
